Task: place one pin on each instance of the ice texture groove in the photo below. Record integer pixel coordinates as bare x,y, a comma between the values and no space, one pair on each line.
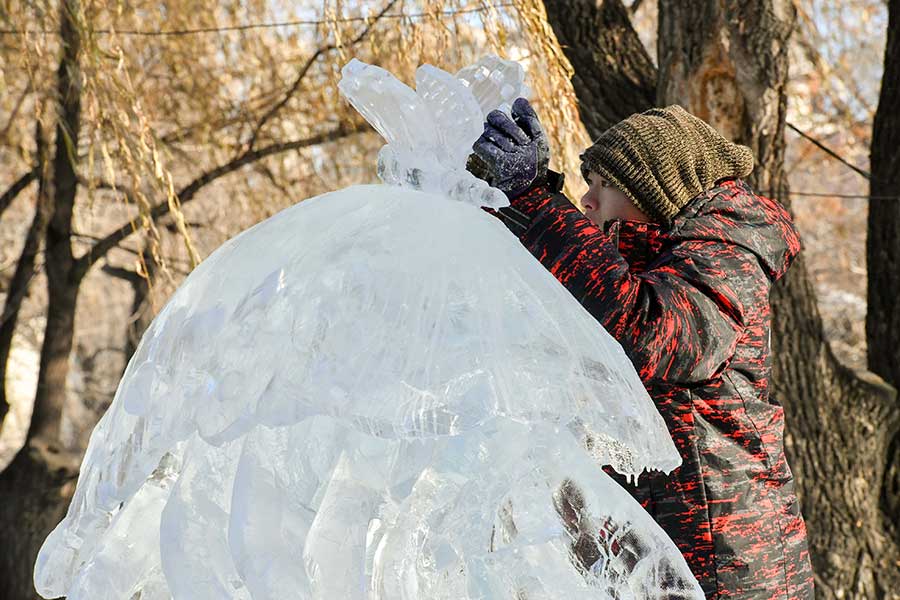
375,394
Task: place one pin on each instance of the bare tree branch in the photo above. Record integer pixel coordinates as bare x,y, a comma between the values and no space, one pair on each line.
829,151
132,277
25,266
20,184
252,103
15,111
84,263
810,40
267,116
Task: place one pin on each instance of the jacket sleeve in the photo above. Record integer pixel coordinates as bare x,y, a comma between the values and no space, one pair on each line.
678,321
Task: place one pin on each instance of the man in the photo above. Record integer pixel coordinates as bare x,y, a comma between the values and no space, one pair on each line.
675,255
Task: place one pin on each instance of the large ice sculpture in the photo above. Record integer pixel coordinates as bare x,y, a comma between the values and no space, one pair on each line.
375,394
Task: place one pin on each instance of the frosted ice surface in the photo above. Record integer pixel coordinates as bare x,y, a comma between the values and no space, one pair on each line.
430,131
375,394
494,82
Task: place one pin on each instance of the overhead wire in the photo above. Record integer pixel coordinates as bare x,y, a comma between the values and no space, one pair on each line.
274,24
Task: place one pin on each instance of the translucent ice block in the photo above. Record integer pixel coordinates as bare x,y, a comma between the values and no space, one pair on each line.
430,131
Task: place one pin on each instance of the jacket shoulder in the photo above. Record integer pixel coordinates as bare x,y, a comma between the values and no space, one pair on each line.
731,213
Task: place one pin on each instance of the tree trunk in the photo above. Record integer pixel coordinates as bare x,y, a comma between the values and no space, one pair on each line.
35,490
621,79
883,251
732,73
54,367
37,485
62,286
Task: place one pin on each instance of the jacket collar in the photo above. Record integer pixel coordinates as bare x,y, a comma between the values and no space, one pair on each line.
637,241
730,213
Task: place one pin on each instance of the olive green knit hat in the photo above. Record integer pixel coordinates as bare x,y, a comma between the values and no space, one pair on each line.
661,158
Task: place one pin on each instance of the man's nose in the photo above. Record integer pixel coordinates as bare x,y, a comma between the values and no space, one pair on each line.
588,202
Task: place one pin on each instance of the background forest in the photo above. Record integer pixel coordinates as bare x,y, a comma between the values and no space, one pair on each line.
136,137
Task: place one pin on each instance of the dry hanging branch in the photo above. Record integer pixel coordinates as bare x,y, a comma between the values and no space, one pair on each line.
190,191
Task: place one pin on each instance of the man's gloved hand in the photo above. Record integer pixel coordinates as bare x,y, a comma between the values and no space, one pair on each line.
512,154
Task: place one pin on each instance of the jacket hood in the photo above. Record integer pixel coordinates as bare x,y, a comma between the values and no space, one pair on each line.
732,213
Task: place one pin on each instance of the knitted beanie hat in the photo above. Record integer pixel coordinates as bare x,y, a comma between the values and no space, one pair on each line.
661,158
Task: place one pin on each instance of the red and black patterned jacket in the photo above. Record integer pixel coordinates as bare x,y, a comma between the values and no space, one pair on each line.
690,306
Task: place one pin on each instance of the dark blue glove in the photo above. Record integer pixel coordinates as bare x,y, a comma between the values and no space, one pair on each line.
512,154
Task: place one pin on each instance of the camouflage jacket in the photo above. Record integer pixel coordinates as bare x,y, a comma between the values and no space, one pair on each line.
690,306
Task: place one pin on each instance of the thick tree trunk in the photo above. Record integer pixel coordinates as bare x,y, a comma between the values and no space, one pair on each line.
622,78
36,487
54,367
62,283
732,72
883,250
35,490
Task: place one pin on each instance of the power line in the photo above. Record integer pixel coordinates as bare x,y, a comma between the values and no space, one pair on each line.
829,151
843,161
830,195
293,23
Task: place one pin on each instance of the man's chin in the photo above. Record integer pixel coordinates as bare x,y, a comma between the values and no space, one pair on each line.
595,218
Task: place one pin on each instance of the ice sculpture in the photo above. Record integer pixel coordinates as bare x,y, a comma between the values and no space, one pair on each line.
375,394
430,131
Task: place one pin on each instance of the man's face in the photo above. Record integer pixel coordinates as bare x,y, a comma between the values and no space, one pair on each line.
603,202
